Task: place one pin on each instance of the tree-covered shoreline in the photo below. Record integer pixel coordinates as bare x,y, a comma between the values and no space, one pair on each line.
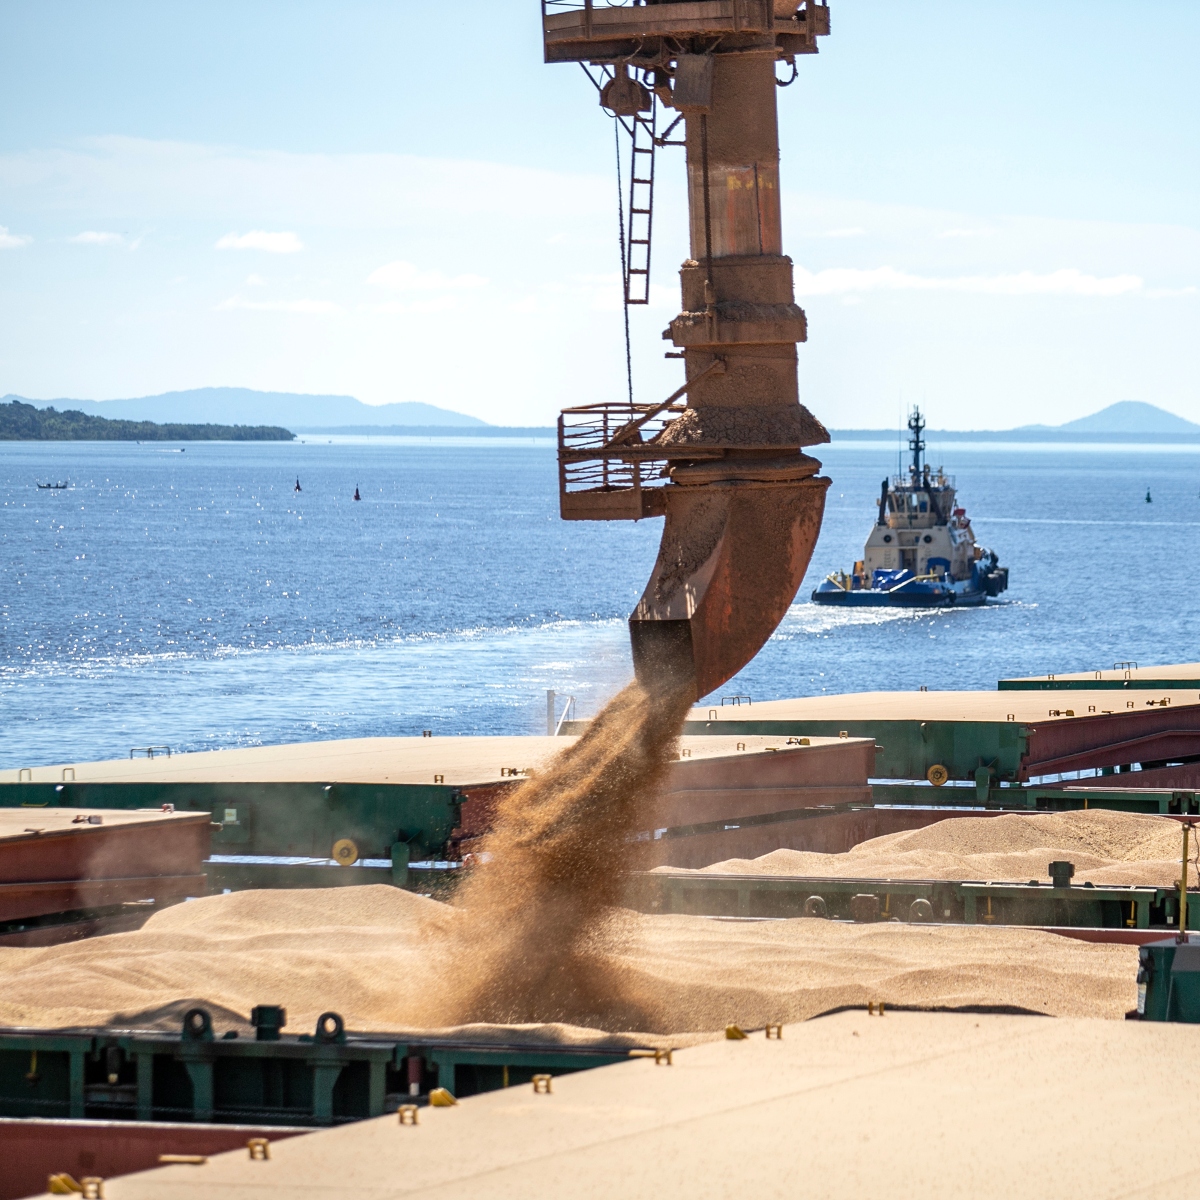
27,423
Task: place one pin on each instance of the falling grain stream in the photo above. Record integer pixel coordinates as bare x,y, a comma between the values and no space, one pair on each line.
537,940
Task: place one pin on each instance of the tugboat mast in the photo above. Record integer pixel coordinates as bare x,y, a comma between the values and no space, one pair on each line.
916,426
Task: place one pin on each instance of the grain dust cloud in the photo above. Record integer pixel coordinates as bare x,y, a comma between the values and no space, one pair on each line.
536,938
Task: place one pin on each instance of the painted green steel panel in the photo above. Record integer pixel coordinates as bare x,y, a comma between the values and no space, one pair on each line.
239,877
1097,685
41,1089
1169,980
952,901
281,819
293,1080
1042,799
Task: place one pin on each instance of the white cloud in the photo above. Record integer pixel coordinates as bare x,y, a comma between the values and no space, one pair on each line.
260,239
453,216
966,233
92,237
849,232
404,276
255,281
312,307
1065,282
246,188
10,241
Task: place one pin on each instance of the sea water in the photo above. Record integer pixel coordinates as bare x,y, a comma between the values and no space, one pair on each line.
191,597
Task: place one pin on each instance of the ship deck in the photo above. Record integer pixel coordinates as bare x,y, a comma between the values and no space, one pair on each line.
935,1104
1008,706
454,761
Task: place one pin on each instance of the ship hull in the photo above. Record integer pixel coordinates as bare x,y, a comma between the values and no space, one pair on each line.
916,595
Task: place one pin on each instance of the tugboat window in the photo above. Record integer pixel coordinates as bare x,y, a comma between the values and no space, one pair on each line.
887,537
928,538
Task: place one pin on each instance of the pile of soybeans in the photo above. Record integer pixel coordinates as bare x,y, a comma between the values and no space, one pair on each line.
388,960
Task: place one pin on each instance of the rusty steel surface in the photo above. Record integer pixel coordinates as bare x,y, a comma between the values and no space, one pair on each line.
772,763
19,901
123,918
1160,739
768,777
48,846
731,559
60,860
743,504
1101,935
829,832
34,1149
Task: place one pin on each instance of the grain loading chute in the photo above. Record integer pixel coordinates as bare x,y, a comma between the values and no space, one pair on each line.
721,458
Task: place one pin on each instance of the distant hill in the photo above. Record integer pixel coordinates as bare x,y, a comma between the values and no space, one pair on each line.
1126,416
20,422
244,406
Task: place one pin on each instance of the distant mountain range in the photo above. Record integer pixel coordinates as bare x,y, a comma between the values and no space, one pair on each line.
1127,420
243,406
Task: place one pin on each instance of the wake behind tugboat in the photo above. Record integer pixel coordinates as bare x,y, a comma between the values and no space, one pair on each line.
922,552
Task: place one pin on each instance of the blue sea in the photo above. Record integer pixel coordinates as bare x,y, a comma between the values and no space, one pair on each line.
190,597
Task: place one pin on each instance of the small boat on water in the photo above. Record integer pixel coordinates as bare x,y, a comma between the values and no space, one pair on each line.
922,551
53,487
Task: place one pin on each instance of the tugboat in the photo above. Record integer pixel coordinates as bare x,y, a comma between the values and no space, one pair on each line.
922,552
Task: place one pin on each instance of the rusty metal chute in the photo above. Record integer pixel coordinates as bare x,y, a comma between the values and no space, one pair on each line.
743,504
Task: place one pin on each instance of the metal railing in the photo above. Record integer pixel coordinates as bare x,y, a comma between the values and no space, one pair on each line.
574,18
612,446
554,721
553,6
936,482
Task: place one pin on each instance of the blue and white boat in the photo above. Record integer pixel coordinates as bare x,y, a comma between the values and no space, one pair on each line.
922,551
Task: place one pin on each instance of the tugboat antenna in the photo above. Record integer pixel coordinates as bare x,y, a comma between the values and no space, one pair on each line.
916,426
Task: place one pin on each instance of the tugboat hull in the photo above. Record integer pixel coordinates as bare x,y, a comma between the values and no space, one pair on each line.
915,592
917,596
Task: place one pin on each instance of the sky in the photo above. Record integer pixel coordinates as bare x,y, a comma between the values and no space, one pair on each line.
992,209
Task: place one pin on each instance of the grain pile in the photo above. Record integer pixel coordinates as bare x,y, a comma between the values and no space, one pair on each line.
376,955
536,934
1106,847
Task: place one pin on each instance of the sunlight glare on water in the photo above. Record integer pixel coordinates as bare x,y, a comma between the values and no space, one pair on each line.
195,599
